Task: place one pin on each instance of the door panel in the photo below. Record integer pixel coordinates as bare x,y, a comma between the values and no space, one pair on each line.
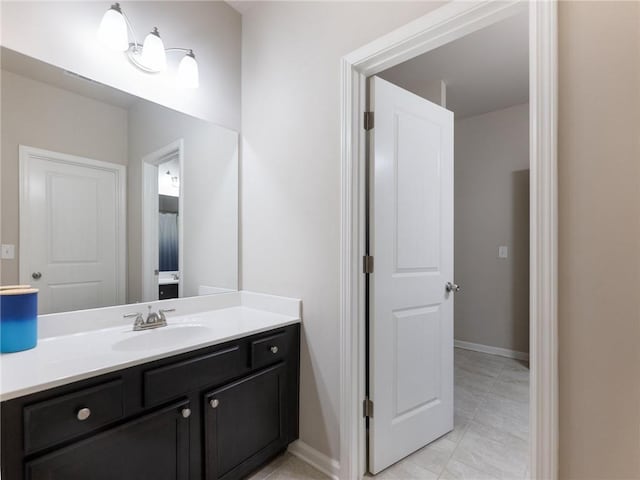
411,238
71,230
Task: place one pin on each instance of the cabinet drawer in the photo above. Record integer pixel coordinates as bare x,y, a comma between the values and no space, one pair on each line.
269,350
174,380
52,421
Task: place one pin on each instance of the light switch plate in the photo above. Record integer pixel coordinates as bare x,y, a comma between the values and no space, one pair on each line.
8,252
503,252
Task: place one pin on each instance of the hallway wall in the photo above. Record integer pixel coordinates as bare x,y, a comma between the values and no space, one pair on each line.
492,209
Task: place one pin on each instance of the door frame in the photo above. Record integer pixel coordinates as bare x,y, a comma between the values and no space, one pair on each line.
25,153
150,207
443,25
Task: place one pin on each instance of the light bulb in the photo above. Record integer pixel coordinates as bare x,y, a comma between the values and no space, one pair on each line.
188,71
153,55
113,29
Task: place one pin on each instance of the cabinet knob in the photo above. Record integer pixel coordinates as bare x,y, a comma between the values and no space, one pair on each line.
274,349
83,414
214,403
186,412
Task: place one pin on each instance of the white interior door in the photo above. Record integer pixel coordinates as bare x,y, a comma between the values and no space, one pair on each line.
411,239
72,234
150,249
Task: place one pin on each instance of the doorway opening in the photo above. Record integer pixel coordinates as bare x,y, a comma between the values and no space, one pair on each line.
460,217
162,229
437,29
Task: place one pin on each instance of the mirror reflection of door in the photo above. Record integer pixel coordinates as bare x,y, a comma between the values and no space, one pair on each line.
80,260
162,223
72,230
168,228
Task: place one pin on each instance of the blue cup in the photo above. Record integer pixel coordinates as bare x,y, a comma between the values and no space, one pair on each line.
18,319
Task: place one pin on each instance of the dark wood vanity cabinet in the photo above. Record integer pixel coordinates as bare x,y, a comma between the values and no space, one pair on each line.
245,420
154,446
215,413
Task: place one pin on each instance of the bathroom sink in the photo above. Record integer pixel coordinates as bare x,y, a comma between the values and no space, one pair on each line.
163,337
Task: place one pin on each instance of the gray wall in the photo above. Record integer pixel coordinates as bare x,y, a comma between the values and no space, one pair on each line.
291,174
210,186
492,209
38,115
599,239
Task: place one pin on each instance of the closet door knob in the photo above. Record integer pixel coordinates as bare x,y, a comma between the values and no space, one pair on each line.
186,412
214,403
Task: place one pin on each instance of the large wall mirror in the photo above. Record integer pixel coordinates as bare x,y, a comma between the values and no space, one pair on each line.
108,198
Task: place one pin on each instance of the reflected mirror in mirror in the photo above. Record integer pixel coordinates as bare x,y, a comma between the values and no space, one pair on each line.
108,198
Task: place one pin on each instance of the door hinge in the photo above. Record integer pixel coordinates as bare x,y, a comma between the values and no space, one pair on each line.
368,120
367,264
367,408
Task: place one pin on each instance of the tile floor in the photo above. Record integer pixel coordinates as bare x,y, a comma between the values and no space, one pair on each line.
490,438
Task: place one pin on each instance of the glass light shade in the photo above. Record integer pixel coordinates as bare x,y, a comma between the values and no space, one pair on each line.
113,30
188,76
153,55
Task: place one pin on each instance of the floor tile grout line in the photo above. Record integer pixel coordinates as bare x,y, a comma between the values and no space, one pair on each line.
466,428
483,396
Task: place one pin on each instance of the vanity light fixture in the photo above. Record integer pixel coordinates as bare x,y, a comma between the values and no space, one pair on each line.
151,56
113,30
188,76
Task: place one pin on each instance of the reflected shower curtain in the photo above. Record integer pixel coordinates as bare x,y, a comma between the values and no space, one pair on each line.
168,239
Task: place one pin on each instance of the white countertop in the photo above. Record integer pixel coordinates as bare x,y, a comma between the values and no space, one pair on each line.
81,354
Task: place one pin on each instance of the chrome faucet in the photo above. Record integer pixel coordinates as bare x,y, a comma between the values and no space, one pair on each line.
154,320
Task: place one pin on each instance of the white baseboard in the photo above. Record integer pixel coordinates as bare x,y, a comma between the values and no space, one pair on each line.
503,352
316,459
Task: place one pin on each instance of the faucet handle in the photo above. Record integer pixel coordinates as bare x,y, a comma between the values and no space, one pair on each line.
161,313
139,319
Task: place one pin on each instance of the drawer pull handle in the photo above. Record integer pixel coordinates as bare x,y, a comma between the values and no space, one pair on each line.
186,412
214,403
274,349
83,414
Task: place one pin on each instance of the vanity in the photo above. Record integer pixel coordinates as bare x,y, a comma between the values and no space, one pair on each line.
214,395
120,211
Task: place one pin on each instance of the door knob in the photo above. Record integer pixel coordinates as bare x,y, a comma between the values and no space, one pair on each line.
186,412
452,287
214,403
36,275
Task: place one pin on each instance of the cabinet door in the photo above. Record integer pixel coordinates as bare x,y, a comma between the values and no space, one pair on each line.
152,447
246,423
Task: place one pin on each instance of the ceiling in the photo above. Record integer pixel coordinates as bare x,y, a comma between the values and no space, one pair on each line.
485,71
241,6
